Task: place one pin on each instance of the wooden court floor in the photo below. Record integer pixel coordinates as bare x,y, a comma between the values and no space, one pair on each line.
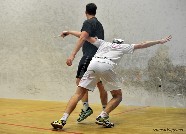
34,117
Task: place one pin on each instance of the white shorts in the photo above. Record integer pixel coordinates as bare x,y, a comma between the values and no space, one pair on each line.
97,71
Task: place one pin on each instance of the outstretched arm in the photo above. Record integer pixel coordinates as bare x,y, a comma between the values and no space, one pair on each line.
74,33
151,43
77,34
82,38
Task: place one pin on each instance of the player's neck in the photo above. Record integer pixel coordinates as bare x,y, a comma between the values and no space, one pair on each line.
90,16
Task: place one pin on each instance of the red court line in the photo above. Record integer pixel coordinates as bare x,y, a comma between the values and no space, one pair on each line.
33,127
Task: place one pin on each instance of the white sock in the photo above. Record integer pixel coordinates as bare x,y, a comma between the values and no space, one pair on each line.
103,114
85,106
65,116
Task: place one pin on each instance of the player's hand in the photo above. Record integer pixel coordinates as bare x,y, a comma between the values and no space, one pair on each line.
64,34
70,60
164,40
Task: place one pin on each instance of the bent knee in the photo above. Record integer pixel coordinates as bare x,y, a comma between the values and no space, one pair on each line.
119,97
80,92
117,94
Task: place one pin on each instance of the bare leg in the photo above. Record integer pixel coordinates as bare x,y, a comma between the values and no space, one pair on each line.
59,124
103,94
102,119
114,102
75,99
86,110
85,97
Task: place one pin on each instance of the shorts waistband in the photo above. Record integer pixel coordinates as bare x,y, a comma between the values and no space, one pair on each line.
103,58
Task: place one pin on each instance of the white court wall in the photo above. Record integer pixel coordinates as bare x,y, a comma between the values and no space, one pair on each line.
32,62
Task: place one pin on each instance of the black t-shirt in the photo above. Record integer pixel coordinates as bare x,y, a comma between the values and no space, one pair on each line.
95,29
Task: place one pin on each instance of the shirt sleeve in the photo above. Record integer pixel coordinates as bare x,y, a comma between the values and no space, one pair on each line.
87,27
128,48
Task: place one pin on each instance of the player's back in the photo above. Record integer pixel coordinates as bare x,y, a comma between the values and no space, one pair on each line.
95,29
112,51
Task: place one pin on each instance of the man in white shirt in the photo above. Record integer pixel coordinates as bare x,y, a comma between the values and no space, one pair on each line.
101,67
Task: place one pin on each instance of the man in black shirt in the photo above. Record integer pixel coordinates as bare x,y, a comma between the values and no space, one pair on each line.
93,28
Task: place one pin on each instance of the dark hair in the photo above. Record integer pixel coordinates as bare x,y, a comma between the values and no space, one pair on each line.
91,9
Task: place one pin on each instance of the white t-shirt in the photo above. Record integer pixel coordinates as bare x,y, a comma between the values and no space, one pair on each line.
111,51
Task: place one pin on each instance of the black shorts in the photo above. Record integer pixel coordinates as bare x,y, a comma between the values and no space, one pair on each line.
82,67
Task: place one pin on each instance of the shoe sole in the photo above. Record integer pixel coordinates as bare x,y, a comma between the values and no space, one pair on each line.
55,126
108,126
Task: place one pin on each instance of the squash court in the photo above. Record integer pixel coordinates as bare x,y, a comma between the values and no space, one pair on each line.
34,117
36,83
